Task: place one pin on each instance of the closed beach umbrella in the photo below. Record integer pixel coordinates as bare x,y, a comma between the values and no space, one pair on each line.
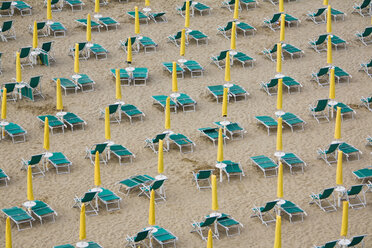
34,36
59,95
339,180
279,57
329,50
118,85
183,43
83,231
278,232
174,77
18,68
236,10
97,171
136,21
281,6
329,19
160,157
49,10
129,51
210,239
332,87
338,124
46,134
220,146
147,3
96,6
167,114
107,124
187,15
282,27
152,209
227,68
76,62
30,193
279,138
345,216
214,194
8,234
3,105
224,102
233,37
279,192
89,28
325,2
279,100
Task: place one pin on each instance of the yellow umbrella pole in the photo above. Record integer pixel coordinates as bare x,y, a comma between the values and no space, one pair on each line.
329,50
224,102
167,114
345,216
118,85
3,105
210,239
220,147
160,159
147,3
325,2
18,68
59,95
278,232
174,77
282,27
236,10
339,180
82,231
279,58
187,14
96,7
107,124
136,21
227,68
183,43
279,140
46,134
76,62
8,234
279,192
129,51
332,88
30,193
329,19
233,37
34,36
214,194
338,124
281,6
89,29
152,209
97,171
49,10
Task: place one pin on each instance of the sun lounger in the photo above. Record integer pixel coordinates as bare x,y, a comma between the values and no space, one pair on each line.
237,91
132,112
57,29
54,122
67,84
73,120
60,161
273,23
335,13
329,154
233,169
4,177
114,112
363,174
161,101
108,22
356,240
233,129
15,131
217,92
225,31
42,29
194,68
57,5
249,3
317,17
91,153
292,50
337,41
134,42
88,199
293,211
212,134
163,236
267,121
11,94
19,217
203,176
122,152
6,9
322,200
219,60
140,76
32,89
293,121
99,51
322,76
320,43
230,5
349,150
318,110
265,213
293,162
153,143
74,4
182,142
43,211
201,8
243,58
352,195
271,53
109,198
141,16
345,110
181,9
94,25
125,79
157,186
198,36
25,56
84,81
83,51
228,223
366,36
363,9
148,44
168,66
158,17
330,244
176,39
134,182
271,87
186,102
34,162
203,227
266,164
139,239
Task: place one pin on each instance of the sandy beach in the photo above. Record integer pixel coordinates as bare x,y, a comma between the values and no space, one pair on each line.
185,202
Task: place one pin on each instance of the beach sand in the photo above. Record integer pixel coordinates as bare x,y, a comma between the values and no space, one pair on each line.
184,202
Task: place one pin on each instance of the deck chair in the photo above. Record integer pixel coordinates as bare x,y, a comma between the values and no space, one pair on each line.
293,121
164,237
43,211
291,83
318,110
33,88
186,102
317,17
147,44
366,36
24,54
341,74
195,69
139,239
330,244
329,154
249,3
42,29
292,50
323,201
158,17
271,53
84,82
198,36
352,195
335,13
140,76
356,240
212,134
168,66
293,162
108,22
57,29
219,60
114,112
202,176
233,169
134,182
201,8
182,142
217,92
135,45
23,8
4,177
54,122
57,5
19,216
243,59
157,186
293,211
321,77
367,67
362,9
337,41
230,5
125,79
73,120
229,224
132,112
74,4
176,39
181,9
60,161
83,51
266,164
233,129
320,43
11,94
91,152
265,213
245,27
267,121
83,22
99,51
141,16
345,110
35,161
6,9
67,84
89,201
349,150
161,101
363,174
109,198
225,31
289,20
237,91
273,23
271,88
203,227
153,143
122,153
92,244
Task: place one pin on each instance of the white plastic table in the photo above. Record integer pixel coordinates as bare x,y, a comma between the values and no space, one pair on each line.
340,191
29,204
2,125
221,166
20,86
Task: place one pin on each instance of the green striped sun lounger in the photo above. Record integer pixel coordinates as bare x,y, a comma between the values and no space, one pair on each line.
363,174
64,246
366,36
267,121
168,66
75,4
201,8
163,236
158,17
122,153
335,13
292,50
99,51
233,169
237,91
265,213
92,244
345,110
93,24
271,87
322,76
233,129
4,177
176,39
323,201
329,154
293,162
220,59
43,211
108,22
73,120
183,142
60,161
15,131
19,216
109,198
194,68
57,29
186,102
161,101
137,240
24,8
273,23
141,16
124,76
293,211
349,150
249,3
318,17
243,59
140,76
337,41
217,92
266,164
293,121
202,227
229,224
54,122
67,84
84,81
132,112
225,31
198,36
153,143
212,134
148,44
